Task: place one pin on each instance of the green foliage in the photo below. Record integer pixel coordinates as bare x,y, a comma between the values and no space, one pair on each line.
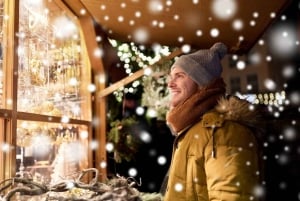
122,136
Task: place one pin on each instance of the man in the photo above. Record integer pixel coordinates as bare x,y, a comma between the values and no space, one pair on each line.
215,150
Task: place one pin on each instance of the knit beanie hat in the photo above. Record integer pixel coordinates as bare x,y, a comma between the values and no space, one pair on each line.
203,65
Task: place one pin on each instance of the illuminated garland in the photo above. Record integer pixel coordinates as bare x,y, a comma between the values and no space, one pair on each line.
135,58
153,86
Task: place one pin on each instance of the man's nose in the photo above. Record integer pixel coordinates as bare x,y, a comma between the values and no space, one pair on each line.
171,82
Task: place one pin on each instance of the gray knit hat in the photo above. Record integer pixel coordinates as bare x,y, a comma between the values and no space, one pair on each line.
204,65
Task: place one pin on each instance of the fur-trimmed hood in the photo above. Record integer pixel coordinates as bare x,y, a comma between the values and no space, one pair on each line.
239,110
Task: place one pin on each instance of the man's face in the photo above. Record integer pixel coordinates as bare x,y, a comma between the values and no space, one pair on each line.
181,86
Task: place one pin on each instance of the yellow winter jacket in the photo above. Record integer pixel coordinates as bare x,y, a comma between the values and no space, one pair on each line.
215,159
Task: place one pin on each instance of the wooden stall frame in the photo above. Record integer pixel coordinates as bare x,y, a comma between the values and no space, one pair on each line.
10,81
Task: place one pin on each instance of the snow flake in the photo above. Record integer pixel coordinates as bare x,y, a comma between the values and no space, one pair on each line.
261,42
283,159
155,6
152,152
270,84
64,27
109,147
73,151
290,133
283,40
145,137
214,32
288,71
103,164
138,14
237,24
283,18
120,19
65,119
199,33
248,163
282,185
180,39
241,65
106,18
151,113
41,149
132,172
176,17
224,9
295,97
276,114
161,160
103,7
241,38
252,23
141,35
186,48
255,14
178,187
286,148
259,191
140,111
5,147
82,11
94,146
123,5
70,185
91,88
255,58
98,52
161,25
272,15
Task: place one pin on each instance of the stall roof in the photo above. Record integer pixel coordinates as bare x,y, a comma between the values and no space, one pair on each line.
237,23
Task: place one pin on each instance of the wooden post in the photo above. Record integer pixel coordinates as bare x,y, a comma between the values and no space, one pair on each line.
89,33
10,66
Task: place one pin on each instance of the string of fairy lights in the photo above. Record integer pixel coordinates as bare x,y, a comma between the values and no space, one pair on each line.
133,59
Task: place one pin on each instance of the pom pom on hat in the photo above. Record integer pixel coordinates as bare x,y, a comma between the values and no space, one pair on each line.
203,66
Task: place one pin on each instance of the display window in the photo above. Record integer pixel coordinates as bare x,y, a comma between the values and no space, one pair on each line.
45,104
61,155
50,66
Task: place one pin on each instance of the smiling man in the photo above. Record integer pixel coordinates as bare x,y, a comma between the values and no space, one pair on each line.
215,152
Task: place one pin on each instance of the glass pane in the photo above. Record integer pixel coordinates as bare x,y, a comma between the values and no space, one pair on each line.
45,151
50,67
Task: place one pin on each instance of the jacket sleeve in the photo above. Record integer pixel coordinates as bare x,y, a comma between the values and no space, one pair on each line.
232,171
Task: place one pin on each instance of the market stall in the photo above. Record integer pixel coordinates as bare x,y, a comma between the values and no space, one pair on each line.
56,56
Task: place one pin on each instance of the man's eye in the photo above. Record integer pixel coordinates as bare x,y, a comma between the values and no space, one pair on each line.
179,76
175,77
